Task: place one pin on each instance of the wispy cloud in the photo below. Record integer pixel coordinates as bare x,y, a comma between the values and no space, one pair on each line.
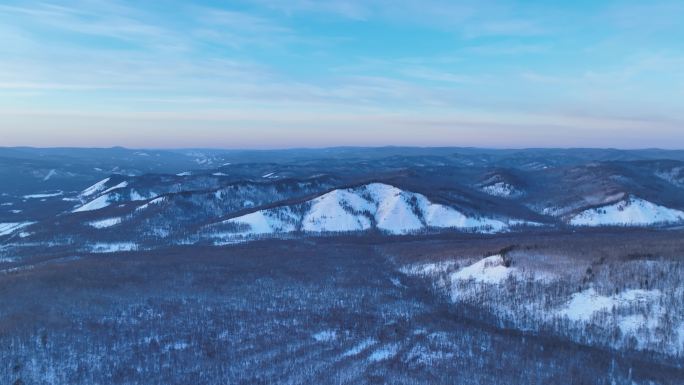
407,63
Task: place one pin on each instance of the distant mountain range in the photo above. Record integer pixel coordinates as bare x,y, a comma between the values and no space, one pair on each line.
78,198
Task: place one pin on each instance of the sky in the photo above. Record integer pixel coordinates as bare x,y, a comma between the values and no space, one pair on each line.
305,73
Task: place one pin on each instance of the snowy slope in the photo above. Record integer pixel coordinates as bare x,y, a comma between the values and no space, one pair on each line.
98,203
487,270
375,205
631,212
338,210
94,189
502,189
112,195
7,228
104,223
584,304
280,220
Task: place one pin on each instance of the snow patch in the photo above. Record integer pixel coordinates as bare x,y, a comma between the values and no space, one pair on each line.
674,176
49,175
97,187
113,247
385,353
337,210
155,201
10,227
98,203
502,189
583,305
136,196
325,336
118,186
629,212
359,348
265,222
44,195
489,270
104,223
428,269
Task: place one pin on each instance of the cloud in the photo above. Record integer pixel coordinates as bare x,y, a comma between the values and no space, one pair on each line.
434,75
509,27
271,64
88,18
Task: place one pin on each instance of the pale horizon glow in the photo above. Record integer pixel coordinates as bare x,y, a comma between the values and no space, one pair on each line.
268,74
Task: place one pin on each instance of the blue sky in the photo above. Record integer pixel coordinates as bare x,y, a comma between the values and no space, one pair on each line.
304,73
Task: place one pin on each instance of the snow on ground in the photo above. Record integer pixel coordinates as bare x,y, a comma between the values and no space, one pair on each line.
280,220
674,176
155,201
631,212
427,356
386,352
639,314
584,304
44,195
491,270
325,336
394,213
10,227
113,247
94,189
401,212
337,211
49,175
269,175
219,174
482,273
390,209
442,216
487,270
184,173
109,196
136,196
100,202
428,269
522,222
118,186
359,348
632,323
104,223
179,345
502,189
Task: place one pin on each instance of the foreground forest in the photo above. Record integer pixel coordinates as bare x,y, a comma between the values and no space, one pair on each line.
342,310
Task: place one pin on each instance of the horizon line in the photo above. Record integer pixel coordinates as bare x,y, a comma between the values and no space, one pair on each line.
313,148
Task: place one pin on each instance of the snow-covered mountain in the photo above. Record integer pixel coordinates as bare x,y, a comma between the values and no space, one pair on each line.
501,184
631,211
372,206
391,195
